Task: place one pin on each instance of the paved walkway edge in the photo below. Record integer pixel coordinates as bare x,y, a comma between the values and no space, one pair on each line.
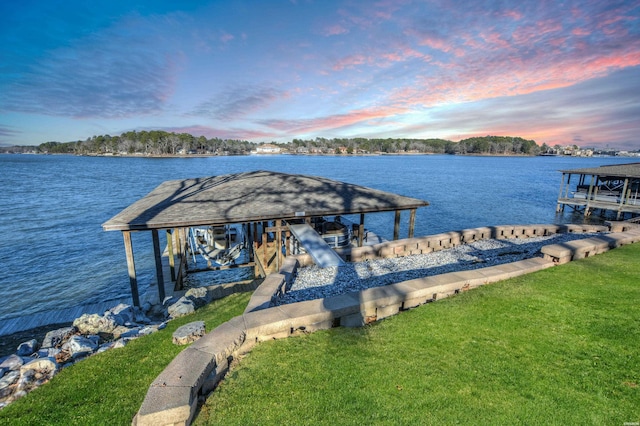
173,397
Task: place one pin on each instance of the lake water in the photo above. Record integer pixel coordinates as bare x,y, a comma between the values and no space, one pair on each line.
54,253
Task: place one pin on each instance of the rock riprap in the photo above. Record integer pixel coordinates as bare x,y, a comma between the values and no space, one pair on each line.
189,333
34,364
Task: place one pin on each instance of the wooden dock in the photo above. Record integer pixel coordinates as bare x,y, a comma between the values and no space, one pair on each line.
614,188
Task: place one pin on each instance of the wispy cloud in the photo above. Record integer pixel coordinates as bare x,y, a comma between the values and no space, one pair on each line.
237,102
8,135
111,74
331,122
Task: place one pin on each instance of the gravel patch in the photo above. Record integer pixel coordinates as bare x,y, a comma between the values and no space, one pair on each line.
313,282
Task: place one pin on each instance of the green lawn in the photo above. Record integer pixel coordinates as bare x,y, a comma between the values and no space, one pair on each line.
556,347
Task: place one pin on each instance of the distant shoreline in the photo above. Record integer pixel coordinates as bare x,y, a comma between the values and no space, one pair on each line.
380,154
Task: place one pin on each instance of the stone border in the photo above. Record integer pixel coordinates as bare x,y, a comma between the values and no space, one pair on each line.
173,397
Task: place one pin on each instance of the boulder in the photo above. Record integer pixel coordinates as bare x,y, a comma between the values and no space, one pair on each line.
45,366
79,346
48,352
189,333
140,317
55,338
132,333
199,295
13,362
122,314
36,373
8,379
181,307
28,348
118,332
149,329
95,324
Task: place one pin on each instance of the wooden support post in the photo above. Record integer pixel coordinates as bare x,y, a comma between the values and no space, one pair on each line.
278,243
560,206
412,222
131,266
287,242
623,196
158,257
361,231
172,261
265,252
587,211
396,226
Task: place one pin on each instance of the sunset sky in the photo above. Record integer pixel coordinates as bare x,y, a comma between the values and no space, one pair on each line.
274,70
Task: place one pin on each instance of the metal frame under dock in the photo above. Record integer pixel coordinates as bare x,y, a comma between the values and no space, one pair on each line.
264,203
613,188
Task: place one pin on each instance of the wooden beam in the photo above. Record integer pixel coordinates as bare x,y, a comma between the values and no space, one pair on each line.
396,226
560,206
623,197
412,222
172,261
587,210
361,231
131,266
278,243
158,257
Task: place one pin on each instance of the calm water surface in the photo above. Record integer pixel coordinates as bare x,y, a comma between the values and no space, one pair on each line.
54,253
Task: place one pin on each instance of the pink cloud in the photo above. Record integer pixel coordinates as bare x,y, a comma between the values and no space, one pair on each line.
226,37
349,62
320,124
336,29
580,32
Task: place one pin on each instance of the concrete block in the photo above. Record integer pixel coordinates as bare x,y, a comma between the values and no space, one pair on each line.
222,341
387,311
353,320
289,270
266,322
214,377
310,328
414,302
261,297
273,336
166,406
303,314
188,370
344,304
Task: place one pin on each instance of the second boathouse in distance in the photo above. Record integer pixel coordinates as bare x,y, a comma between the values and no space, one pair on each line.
267,204
614,188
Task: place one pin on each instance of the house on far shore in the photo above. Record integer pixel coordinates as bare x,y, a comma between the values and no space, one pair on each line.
268,148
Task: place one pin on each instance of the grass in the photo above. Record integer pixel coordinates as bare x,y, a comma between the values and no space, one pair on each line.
109,388
555,347
560,346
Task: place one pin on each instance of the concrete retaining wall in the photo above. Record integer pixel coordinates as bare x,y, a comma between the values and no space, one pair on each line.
173,397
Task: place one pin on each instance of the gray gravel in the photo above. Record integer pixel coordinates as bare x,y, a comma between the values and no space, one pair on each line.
313,282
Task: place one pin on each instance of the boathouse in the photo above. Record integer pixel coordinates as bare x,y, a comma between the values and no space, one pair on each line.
614,188
269,205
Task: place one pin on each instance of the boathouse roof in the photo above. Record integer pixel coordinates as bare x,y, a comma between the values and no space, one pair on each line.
631,170
252,197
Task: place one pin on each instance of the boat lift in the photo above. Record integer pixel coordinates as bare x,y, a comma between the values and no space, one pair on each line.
323,255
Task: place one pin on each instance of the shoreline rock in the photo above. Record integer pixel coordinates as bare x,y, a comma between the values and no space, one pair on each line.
34,364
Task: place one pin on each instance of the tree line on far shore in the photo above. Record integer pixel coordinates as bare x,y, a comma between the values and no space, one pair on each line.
157,142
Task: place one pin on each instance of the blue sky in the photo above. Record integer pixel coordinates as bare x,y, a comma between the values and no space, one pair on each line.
556,72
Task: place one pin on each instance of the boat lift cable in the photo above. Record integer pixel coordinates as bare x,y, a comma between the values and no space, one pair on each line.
192,241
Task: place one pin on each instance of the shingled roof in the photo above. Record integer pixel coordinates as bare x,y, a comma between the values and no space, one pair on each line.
252,197
631,170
